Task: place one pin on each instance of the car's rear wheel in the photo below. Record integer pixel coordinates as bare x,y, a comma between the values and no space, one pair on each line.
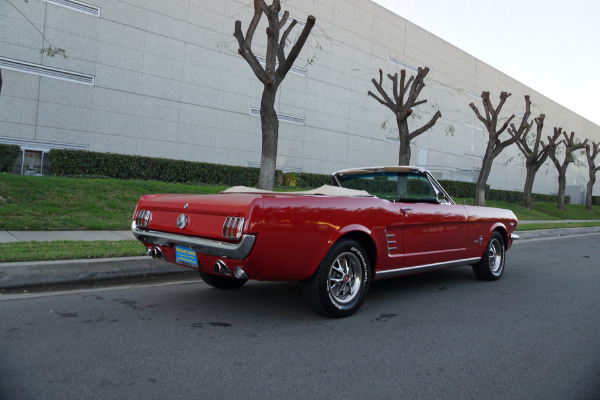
339,285
491,265
222,282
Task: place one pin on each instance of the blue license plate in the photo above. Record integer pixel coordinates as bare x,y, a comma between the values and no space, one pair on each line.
185,256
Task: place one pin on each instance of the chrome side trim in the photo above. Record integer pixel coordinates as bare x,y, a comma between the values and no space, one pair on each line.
424,268
514,237
391,242
237,251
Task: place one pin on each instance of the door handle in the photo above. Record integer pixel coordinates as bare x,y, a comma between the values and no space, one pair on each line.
406,210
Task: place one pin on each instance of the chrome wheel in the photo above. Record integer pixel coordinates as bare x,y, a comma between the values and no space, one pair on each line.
345,278
495,254
338,287
491,265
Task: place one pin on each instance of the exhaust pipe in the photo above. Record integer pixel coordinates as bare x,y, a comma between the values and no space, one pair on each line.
240,273
222,269
155,252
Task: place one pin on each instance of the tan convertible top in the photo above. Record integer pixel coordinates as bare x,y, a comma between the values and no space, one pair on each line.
325,190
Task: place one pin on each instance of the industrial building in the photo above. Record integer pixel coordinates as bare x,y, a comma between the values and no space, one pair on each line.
164,79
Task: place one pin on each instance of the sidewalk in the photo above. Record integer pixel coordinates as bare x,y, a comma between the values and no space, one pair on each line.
48,236
24,274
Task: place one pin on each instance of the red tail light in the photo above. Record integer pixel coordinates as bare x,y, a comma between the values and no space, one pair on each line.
232,227
142,217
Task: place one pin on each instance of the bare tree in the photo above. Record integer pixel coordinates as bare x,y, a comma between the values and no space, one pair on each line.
591,153
495,145
276,68
403,108
570,147
536,153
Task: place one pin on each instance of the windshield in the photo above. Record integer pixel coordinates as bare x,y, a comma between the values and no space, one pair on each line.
393,186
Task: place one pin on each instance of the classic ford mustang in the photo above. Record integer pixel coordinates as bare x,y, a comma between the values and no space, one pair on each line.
371,223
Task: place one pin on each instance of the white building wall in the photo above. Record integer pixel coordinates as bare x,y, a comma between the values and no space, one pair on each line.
168,82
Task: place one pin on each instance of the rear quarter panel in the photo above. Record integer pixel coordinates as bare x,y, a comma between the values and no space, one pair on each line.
295,232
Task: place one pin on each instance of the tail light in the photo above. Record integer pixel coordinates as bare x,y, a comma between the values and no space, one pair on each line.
142,217
232,227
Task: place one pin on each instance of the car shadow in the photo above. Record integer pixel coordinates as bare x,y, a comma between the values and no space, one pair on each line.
275,300
285,300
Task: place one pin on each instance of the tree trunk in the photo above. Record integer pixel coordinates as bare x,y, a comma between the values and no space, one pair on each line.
531,171
404,151
486,168
270,130
562,184
589,192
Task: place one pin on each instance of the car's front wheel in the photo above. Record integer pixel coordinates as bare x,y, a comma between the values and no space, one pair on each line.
340,284
221,282
491,265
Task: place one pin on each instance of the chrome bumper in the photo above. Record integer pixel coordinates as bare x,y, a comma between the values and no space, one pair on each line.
514,237
237,251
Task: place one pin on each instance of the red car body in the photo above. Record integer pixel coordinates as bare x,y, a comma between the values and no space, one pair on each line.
269,236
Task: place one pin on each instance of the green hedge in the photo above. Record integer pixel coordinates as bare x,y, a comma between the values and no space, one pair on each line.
461,189
301,179
8,157
86,163
119,166
596,200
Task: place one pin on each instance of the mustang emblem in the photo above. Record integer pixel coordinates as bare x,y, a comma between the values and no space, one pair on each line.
182,221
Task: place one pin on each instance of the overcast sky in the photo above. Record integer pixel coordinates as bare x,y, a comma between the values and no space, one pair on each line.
549,45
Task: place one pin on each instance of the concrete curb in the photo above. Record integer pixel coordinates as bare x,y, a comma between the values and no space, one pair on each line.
546,233
24,274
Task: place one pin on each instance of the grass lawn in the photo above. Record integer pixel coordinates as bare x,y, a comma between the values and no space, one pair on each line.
556,225
541,211
40,203
62,250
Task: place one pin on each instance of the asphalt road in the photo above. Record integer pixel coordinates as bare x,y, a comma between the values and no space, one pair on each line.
535,334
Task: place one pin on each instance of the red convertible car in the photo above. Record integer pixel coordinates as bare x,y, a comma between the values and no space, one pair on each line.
371,223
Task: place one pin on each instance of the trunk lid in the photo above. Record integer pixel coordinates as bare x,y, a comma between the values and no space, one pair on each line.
206,214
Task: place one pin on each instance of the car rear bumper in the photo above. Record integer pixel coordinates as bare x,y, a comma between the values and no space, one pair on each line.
237,251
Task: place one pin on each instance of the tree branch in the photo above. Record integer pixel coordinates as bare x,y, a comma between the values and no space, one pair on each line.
280,50
427,126
245,43
378,85
291,58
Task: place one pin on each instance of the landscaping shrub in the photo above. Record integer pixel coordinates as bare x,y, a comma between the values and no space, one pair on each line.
460,188
120,166
8,157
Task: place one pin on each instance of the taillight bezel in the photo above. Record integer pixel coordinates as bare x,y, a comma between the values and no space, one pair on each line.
233,228
142,218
